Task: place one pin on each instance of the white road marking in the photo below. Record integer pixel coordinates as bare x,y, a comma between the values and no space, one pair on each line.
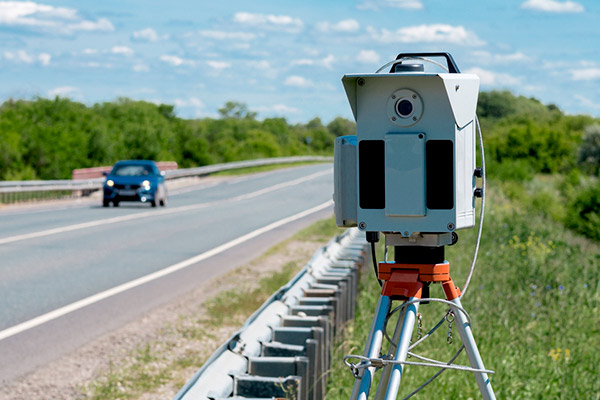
91,224
155,275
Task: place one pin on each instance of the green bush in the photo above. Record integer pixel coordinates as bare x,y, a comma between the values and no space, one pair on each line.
511,170
583,213
589,151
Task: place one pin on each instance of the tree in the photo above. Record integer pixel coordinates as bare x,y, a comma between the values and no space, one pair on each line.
341,126
236,110
589,151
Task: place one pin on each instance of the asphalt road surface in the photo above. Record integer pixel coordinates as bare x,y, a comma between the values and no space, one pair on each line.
74,272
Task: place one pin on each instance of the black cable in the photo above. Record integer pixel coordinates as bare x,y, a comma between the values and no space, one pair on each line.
374,258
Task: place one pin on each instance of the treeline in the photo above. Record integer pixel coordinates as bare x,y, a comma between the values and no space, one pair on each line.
547,160
47,139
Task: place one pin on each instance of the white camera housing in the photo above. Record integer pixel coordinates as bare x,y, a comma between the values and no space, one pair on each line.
410,167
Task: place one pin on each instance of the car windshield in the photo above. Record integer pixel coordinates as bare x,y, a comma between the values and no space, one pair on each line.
132,170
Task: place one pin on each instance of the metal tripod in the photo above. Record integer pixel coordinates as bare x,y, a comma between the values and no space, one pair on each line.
409,280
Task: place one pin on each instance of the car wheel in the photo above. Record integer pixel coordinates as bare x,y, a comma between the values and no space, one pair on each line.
163,202
153,203
116,203
105,203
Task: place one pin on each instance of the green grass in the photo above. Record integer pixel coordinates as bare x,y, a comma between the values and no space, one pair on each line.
534,302
234,306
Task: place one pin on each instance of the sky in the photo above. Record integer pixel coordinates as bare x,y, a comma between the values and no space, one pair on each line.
287,58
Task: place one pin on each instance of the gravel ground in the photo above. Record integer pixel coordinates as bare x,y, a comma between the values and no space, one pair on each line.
162,333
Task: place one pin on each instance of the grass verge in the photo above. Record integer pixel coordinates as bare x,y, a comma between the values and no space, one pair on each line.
534,302
159,369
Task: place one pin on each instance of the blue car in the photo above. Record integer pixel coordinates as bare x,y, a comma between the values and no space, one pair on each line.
135,180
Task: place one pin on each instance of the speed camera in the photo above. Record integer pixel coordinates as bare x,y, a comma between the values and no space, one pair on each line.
411,166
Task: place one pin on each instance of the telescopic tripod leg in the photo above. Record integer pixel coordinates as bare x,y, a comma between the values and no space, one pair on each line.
406,330
464,330
362,384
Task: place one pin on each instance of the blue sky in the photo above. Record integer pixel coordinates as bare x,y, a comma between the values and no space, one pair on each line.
286,58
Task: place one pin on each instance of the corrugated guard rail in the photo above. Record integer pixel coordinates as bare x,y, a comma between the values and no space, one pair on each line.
96,183
284,349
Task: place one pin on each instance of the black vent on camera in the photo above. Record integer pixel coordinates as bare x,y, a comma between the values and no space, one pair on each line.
439,156
371,173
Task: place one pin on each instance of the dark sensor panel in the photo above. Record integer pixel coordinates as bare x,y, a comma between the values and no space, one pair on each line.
439,156
371,174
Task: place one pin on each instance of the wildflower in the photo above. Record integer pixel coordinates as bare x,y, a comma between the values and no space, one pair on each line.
561,287
557,353
554,354
548,287
533,286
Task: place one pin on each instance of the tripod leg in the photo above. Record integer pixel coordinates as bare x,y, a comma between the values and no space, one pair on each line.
387,370
362,384
464,330
406,330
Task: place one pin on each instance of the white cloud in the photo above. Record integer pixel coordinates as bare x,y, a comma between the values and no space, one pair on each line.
269,21
262,64
218,65
176,61
20,56
347,25
586,102
435,33
278,109
43,17
90,51
194,103
489,58
304,61
95,64
122,50
553,6
491,78
585,74
377,4
44,59
326,62
561,65
147,35
64,91
222,35
368,57
299,81
140,68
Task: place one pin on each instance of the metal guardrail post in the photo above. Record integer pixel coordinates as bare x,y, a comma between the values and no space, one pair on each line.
300,322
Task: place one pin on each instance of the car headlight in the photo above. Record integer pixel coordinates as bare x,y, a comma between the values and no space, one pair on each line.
110,183
146,184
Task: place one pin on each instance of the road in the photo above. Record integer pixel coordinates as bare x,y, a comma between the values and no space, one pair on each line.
71,273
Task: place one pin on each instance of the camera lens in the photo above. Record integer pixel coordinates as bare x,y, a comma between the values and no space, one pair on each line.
404,108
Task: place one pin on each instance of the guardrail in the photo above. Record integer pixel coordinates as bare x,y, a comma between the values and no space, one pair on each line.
284,349
15,190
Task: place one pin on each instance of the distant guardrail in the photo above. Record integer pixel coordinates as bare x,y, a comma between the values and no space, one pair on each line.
87,185
285,348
